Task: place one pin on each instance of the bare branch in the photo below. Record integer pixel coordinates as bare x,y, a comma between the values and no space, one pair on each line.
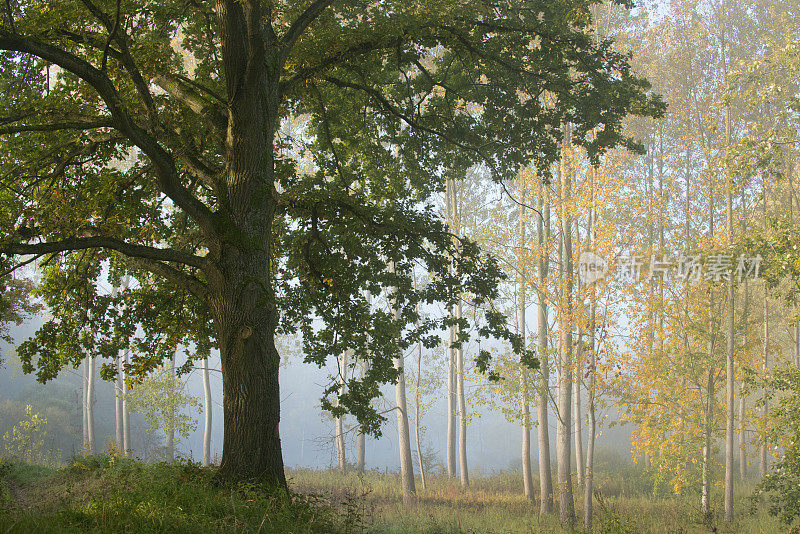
55,126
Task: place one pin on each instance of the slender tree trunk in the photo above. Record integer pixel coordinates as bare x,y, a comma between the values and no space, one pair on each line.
362,445
417,415
90,400
406,463
170,442
577,418
119,432
462,410
527,472
341,459
527,476
208,412
566,505
742,434
592,364
729,364
127,447
543,238
765,405
451,360
85,405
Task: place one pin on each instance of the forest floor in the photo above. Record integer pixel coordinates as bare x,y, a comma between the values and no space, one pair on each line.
111,494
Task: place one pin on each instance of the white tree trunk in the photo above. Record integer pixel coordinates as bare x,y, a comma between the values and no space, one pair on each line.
417,415
566,505
126,416
85,403
403,434
527,476
462,410
451,359
208,412
118,413
170,433
543,237
341,459
362,445
90,400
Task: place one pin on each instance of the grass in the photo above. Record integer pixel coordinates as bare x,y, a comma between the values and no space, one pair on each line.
112,494
495,504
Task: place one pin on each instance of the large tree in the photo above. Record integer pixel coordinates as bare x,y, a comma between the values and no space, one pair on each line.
222,210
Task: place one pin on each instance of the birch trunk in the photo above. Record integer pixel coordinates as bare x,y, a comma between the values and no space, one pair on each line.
170,442
451,364
566,506
591,368
765,405
126,415
90,399
341,459
417,413
362,445
403,434
543,238
742,435
527,476
462,409
208,412
119,431
85,403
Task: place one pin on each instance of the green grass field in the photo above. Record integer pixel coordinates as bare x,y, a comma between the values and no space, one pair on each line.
110,494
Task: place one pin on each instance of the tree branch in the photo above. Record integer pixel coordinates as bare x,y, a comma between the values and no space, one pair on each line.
166,172
55,126
110,243
192,99
301,24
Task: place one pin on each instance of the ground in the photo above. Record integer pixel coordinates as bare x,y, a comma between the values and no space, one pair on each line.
111,494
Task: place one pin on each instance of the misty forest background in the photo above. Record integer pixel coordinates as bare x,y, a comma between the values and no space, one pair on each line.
652,362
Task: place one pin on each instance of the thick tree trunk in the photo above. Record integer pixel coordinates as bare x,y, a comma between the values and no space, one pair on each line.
543,238
208,412
565,501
